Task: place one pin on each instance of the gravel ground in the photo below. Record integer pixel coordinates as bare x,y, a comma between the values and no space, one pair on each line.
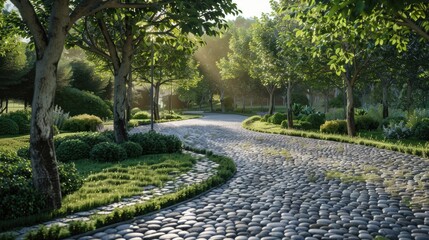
285,188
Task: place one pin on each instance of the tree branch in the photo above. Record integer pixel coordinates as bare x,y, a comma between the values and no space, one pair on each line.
109,42
413,26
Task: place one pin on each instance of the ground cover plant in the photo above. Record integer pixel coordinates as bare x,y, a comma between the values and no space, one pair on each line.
368,138
225,171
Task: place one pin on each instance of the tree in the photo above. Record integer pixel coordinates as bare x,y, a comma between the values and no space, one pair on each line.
85,78
48,23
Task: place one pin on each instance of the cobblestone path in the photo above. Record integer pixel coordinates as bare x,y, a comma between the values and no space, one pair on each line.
289,188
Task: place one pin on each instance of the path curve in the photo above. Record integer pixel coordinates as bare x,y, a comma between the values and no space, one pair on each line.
280,190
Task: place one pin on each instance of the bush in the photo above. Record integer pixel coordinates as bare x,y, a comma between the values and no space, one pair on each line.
307,110
8,126
305,125
397,131
297,108
153,143
23,152
170,116
22,119
108,152
315,120
78,102
70,179
141,115
421,129
132,123
265,118
135,110
360,112
84,122
366,123
72,150
132,149
89,138
18,197
59,116
392,120
252,120
277,118
334,126
109,135
284,123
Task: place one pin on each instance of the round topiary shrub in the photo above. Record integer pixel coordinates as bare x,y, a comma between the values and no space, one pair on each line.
133,149
135,110
108,152
141,115
23,124
334,126
265,118
366,123
8,126
315,120
75,102
153,143
82,123
72,150
277,118
90,138
421,129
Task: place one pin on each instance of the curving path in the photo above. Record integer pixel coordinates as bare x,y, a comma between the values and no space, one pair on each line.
280,190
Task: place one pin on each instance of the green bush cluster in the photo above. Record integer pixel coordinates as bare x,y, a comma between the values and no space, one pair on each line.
141,115
72,150
277,118
19,197
421,129
90,138
315,120
392,120
132,123
132,149
83,123
78,102
108,152
334,126
366,123
252,119
265,118
169,116
8,126
153,143
298,124
135,110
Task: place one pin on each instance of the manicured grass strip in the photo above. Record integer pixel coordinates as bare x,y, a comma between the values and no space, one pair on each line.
107,183
225,171
254,124
13,143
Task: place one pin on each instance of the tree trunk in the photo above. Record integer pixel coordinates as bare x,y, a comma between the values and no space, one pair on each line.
211,101
129,94
271,106
156,102
351,129
385,86
43,160
345,102
222,100
289,105
120,105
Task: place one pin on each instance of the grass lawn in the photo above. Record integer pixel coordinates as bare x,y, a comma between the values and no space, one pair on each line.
374,139
13,143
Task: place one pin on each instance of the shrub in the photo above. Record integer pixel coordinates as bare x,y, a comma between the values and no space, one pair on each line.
366,123
265,118
89,138
8,126
56,130
360,112
109,135
391,120
22,119
252,120
72,150
59,116
315,120
23,152
153,143
141,115
277,118
132,123
170,116
82,123
108,152
416,116
135,110
307,110
132,149
334,126
18,196
296,109
421,129
397,131
304,125
284,123
70,179
78,102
